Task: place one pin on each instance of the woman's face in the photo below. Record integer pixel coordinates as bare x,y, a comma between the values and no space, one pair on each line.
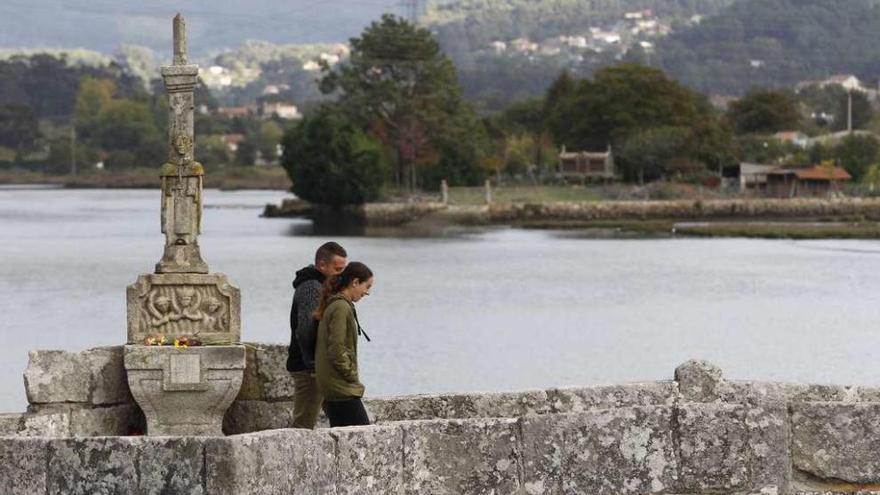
360,289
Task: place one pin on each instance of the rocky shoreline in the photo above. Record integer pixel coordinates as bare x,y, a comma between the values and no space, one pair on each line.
803,218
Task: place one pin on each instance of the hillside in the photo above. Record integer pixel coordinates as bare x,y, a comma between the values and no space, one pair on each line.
775,43
510,49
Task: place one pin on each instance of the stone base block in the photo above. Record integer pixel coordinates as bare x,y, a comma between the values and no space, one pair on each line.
184,391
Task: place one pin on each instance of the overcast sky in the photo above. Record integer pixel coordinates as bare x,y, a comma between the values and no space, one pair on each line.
212,25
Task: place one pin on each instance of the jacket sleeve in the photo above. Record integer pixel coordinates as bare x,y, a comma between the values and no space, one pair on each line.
306,329
338,353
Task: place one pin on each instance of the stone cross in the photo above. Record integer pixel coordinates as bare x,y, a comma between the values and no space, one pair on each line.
179,40
182,176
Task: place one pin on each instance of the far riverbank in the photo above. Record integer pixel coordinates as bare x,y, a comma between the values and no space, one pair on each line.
227,179
797,218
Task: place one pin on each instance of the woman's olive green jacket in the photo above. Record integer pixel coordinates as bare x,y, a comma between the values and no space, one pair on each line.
336,364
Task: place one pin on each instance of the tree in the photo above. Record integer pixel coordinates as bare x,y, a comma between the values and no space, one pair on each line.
646,155
398,85
620,101
856,153
93,97
270,137
333,162
764,111
18,126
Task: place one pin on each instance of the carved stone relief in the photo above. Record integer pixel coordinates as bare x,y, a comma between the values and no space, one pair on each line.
175,305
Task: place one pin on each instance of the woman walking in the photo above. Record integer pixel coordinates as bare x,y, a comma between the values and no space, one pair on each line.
336,365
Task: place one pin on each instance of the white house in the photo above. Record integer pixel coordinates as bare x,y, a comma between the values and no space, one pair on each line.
849,82
286,111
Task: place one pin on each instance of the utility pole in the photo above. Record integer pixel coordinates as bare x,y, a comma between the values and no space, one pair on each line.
73,147
849,126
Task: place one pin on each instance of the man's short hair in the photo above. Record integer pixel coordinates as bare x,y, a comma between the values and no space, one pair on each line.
327,251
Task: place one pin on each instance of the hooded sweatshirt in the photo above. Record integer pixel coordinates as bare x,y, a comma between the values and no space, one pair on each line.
303,328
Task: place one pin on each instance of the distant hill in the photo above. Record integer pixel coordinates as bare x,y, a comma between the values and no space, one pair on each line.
466,25
775,43
512,49
213,26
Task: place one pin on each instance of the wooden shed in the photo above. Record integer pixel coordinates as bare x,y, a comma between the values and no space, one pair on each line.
800,182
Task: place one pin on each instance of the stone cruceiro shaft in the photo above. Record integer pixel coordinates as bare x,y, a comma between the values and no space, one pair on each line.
182,176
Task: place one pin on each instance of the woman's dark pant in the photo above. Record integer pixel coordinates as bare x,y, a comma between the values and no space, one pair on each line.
348,412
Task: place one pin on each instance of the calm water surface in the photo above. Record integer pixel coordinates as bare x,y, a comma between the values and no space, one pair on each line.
483,311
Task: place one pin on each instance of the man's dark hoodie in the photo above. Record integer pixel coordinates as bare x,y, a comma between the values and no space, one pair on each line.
303,328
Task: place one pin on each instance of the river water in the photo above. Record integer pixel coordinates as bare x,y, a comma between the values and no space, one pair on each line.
478,310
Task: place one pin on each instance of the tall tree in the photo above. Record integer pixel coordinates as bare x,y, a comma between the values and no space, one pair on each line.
764,111
332,162
620,101
399,85
18,126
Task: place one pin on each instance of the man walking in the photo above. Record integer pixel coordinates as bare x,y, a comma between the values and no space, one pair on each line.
330,259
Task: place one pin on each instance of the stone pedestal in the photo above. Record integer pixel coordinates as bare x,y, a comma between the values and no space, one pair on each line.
184,392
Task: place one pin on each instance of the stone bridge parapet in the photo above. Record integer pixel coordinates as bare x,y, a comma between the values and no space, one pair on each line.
695,434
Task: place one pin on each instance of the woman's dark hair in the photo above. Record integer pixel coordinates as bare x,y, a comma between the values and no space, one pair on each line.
337,283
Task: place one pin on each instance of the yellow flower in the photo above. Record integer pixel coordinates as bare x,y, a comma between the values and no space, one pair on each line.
179,345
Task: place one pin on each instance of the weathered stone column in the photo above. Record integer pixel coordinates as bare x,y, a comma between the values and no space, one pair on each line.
182,175
183,390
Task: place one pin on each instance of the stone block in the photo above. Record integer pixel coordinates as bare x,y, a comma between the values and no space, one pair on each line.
171,465
770,447
759,392
11,423
23,466
93,465
837,441
699,381
496,405
461,456
107,421
580,399
272,462
276,382
56,376
248,416
108,380
46,424
413,407
543,445
251,386
619,451
369,459
713,448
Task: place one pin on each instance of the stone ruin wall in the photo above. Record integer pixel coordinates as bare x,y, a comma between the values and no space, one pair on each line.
696,434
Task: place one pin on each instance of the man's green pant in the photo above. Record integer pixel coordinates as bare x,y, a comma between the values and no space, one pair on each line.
307,399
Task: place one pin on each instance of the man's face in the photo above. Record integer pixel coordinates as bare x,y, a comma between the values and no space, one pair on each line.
332,267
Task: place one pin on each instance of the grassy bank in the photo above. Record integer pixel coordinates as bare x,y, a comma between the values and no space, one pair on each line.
146,178
768,230
757,230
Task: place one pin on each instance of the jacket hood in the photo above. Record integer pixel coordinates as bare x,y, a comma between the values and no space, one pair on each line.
306,274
